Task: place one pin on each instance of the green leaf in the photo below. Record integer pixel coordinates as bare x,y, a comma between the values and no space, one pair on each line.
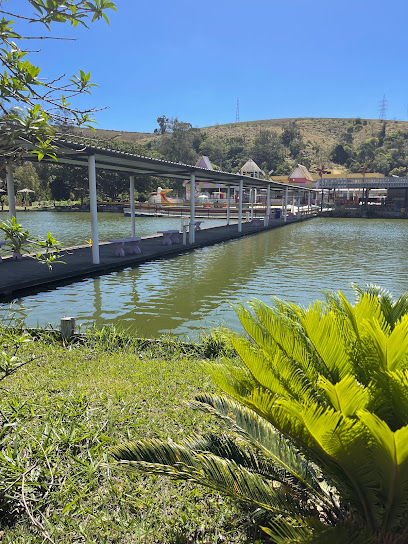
346,396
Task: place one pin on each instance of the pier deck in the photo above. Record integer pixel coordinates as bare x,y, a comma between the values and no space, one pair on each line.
19,278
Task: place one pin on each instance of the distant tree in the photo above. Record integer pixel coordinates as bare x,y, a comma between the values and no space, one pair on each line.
179,142
216,149
305,161
68,181
295,147
238,153
290,132
164,125
267,148
382,162
401,171
147,184
366,150
60,189
283,169
111,184
347,136
339,154
382,131
26,176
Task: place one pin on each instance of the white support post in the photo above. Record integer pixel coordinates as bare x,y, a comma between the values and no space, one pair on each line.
293,205
240,196
285,214
184,225
308,202
228,204
132,204
10,191
251,192
93,206
268,206
191,230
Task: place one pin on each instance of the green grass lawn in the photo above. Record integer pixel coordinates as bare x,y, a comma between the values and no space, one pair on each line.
63,411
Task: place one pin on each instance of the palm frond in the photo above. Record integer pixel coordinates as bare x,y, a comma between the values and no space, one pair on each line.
288,531
324,332
397,352
263,436
368,307
232,377
270,330
390,450
347,396
342,447
179,462
313,531
392,310
259,365
281,375
253,460
398,310
397,399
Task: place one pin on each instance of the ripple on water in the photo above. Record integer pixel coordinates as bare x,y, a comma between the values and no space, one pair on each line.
189,294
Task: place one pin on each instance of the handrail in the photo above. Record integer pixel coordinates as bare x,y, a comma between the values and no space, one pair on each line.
363,183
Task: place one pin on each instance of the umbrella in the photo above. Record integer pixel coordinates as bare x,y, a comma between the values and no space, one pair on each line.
25,193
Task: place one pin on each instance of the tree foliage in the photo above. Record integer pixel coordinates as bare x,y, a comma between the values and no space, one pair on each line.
32,106
316,421
179,141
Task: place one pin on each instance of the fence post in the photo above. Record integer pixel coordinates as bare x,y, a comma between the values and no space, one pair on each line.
67,327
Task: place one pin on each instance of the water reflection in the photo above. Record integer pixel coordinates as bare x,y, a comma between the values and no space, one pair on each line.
189,294
74,228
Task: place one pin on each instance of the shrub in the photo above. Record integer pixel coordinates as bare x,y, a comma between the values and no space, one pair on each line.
315,421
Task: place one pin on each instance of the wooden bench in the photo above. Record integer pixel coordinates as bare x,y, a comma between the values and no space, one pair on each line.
170,237
120,246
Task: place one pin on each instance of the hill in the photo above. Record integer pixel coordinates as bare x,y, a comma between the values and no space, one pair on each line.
277,144
320,131
315,131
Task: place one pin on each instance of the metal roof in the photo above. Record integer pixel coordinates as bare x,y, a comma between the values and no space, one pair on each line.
77,154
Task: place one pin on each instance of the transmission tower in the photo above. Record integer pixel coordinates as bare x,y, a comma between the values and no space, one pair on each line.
383,108
237,112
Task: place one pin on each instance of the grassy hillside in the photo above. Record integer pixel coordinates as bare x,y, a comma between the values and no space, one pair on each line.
316,131
315,139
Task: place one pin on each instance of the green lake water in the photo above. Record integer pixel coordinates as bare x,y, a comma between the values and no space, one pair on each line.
190,294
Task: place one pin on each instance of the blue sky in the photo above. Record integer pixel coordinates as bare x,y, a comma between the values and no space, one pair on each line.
192,60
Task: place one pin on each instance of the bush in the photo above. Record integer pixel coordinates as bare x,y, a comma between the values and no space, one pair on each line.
315,421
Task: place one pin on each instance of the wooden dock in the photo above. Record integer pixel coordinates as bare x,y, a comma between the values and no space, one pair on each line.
28,276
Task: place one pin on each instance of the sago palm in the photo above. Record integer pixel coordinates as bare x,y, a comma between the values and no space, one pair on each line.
316,413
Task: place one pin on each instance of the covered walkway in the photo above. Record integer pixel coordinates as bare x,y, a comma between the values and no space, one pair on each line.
28,275
96,157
